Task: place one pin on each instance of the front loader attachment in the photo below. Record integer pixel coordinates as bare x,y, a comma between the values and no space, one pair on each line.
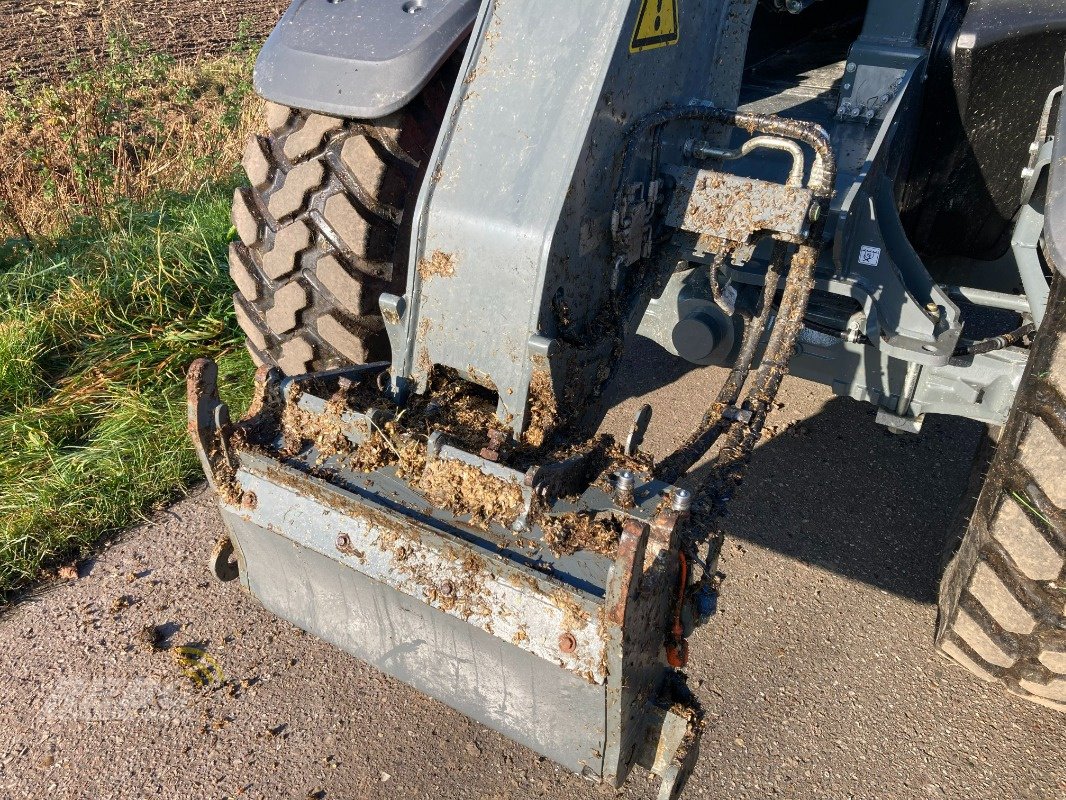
440,516
554,621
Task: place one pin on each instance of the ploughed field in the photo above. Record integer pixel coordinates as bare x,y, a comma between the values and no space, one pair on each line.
42,37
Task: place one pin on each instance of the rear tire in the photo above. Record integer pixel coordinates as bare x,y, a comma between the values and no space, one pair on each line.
323,229
1003,596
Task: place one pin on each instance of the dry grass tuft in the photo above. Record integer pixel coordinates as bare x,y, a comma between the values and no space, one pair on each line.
124,125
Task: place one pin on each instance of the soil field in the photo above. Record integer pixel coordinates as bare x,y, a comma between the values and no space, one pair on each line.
44,36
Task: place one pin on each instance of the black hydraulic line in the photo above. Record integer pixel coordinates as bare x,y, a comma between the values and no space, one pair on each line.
966,348
726,470
995,342
847,336
741,439
703,438
739,374
742,426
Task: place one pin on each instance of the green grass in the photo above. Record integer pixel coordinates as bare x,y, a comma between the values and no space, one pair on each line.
1023,500
96,331
114,224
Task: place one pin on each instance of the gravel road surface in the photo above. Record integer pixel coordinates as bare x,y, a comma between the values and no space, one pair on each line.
817,674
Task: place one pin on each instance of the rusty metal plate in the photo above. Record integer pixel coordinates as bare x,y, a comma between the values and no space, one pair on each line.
734,208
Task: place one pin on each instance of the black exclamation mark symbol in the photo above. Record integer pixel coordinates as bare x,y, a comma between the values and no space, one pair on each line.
658,14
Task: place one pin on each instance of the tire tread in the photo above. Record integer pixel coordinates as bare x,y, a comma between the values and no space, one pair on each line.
320,226
1003,596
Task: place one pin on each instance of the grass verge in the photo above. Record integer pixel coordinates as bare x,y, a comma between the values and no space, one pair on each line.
112,280
96,332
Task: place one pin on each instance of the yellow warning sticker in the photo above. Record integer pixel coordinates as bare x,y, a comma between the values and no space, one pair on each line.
656,25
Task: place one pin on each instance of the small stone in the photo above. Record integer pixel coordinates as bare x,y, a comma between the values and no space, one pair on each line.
152,636
384,777
46,762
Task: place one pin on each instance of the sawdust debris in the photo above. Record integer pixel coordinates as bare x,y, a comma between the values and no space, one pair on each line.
437,264
465,489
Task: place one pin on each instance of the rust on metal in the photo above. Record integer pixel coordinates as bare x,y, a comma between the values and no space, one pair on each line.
662,536
498,440
676,644
625,569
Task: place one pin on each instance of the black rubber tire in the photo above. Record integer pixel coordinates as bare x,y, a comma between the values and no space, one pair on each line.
1003,596
323,229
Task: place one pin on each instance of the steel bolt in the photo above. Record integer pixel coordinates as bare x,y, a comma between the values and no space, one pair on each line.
497,441
624,482
681,500
343,541
567,643
447,589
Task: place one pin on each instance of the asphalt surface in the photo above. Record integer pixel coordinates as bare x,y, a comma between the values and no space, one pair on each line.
817,674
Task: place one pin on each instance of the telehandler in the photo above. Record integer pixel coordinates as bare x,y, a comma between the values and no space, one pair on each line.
462,213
